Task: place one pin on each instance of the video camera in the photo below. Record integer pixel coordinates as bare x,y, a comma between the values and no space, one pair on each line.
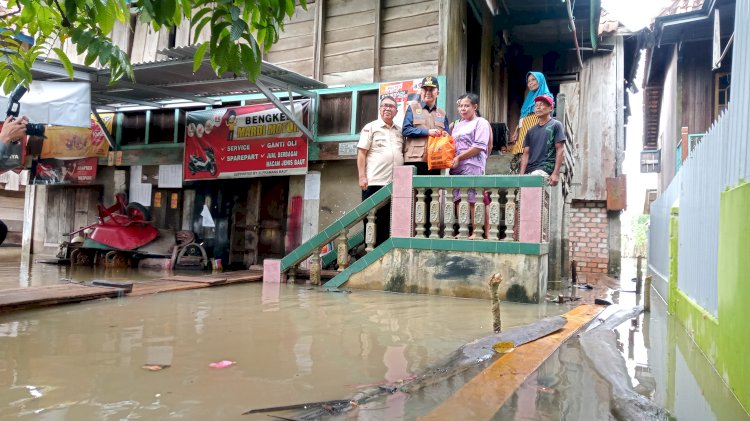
14,106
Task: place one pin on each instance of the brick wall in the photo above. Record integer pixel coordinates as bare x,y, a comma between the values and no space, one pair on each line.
588,234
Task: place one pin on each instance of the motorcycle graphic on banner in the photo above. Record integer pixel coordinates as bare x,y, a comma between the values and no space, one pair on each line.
249,141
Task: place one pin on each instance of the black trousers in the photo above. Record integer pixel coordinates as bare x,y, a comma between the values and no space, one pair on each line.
382,217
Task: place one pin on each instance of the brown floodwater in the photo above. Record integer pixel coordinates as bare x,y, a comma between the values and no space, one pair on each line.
296,344
291,344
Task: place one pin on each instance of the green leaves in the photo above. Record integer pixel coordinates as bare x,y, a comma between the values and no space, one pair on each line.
240,30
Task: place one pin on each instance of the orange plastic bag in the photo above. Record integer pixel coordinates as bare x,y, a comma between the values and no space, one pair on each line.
440,152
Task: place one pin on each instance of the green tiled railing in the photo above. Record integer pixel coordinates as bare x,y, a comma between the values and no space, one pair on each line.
302,252
477,181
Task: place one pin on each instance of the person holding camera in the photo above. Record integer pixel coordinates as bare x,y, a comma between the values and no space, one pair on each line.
13,129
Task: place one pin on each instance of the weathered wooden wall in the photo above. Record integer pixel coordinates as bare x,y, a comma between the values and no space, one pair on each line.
58,210
591,105
696,84
296,47
669,123
453,51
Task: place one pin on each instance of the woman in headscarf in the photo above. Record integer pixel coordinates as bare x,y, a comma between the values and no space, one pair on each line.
537,85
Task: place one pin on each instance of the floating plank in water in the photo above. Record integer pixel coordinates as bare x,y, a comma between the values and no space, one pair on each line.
21,298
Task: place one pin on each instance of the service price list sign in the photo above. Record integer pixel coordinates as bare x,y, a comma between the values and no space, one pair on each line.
249,141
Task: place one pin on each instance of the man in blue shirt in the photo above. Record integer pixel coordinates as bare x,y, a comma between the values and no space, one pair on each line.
423,119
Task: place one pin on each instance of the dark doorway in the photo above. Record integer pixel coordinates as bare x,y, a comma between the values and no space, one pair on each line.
272,214
473,50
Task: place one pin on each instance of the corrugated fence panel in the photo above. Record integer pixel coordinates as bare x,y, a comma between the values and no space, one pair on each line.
720,162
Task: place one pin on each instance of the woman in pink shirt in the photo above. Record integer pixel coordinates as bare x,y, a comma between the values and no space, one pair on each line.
472,137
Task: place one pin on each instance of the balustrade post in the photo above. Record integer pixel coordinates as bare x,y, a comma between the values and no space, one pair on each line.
315,267
463,215
342,251
494,212
291,274
448,215
510,215
420,216
370,232
435,214
479,218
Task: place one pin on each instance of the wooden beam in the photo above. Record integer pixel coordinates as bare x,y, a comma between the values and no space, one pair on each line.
376,52
319,29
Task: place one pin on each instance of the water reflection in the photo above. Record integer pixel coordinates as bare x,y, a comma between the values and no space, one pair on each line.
662,361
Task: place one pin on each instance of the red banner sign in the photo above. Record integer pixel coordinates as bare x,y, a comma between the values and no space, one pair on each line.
65,171
239,142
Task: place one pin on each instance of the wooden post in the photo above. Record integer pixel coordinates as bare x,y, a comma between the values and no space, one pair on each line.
647,295
420,216
370,232
342,251
639,276
463,215
494,284
510,215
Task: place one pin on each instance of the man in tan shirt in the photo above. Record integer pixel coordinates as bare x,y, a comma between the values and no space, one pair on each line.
379,150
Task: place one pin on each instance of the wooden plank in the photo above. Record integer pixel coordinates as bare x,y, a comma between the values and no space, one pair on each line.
289,55
416,70
410,54
348,77
122,35
407,37
303,67
508,373
349,21
412,9
289,43
409,22
297,29
358,60
152,156
330,151
347,7
182,34
21,298
394,3
202,279
365,43
348,33
301,15
161,285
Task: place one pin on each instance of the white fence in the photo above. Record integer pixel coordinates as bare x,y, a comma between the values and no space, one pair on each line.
720,161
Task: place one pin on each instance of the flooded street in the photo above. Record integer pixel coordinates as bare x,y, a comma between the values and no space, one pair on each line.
295,344
291,344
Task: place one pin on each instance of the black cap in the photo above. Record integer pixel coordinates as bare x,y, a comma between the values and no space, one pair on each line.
430,82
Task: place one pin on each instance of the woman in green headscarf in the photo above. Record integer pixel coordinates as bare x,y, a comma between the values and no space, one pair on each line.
537,85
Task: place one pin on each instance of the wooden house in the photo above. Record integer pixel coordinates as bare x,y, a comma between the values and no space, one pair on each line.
348,48
687,81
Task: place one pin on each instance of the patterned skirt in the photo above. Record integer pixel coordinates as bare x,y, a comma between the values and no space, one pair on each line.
526,124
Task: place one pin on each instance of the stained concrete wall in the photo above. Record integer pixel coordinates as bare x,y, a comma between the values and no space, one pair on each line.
339,191
456,274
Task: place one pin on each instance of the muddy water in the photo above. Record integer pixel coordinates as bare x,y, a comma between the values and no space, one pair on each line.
292,344
15,273
663,364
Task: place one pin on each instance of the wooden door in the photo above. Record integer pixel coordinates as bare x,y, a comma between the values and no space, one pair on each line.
68,209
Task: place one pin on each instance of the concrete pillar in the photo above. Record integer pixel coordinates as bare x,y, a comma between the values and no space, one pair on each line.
401,201
614,242
311,209
556,205
27,235
530,220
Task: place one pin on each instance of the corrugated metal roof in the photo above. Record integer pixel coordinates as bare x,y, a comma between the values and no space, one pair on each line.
173,79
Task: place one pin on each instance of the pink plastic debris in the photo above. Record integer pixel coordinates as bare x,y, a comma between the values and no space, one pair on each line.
222,364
